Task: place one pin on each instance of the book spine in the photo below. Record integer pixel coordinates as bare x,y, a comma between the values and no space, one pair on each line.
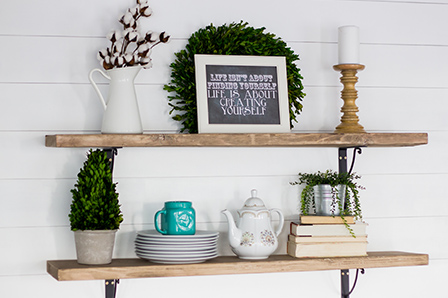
337,249
327,230
326,239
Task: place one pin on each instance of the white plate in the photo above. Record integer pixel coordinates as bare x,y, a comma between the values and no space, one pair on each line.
174,248
176,254
167,262
153,234
169,242
178,260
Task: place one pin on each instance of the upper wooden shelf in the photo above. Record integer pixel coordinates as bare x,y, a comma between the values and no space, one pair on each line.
138,268
239,140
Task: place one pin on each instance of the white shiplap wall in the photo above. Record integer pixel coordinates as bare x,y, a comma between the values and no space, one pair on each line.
47,49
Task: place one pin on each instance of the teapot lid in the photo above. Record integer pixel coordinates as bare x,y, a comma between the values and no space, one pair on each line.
254,203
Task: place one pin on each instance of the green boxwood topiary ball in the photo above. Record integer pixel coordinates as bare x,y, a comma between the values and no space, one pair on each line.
233,39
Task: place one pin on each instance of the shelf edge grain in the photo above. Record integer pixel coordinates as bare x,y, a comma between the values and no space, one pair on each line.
65,270
238,140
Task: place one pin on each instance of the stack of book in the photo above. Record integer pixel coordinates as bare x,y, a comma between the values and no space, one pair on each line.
326,236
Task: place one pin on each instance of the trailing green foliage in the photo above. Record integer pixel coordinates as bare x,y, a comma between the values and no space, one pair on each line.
233,39
352,204
95,203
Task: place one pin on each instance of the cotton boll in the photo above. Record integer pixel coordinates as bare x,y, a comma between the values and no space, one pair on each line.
111,36
142,1
107,65
128,58
102,54
163,38
146,11
127,31
133,36
133,11
116,48
128,18
120,61
114,35
148,36
143,48
147,65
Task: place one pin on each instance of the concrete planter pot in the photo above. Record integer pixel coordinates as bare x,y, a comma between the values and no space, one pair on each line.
94,247
327,199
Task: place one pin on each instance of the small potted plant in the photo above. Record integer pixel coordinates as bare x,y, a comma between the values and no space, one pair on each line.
95,214
331,194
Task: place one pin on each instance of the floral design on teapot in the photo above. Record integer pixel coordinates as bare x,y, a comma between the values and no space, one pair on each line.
247,239
267,238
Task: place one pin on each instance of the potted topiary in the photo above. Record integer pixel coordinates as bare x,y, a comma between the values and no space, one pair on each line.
95,214
330,194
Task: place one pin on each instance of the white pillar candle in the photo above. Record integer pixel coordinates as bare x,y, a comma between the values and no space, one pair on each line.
348,45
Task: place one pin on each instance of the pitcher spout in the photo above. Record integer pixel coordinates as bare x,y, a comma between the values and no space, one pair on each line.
234,232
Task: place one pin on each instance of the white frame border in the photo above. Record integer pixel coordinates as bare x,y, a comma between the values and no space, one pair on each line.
201,90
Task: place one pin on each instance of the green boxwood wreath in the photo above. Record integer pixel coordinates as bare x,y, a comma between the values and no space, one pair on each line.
233,39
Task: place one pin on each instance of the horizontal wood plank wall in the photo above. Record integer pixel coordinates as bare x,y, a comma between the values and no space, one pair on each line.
48,48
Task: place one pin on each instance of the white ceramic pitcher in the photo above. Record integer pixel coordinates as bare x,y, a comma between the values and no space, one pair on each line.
121,112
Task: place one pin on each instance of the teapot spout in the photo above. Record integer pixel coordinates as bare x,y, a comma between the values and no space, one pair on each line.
234,232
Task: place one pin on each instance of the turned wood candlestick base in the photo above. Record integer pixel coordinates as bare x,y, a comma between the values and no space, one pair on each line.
349,119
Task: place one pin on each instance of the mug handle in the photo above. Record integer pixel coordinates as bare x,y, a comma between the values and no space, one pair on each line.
96,87
281,221
156,222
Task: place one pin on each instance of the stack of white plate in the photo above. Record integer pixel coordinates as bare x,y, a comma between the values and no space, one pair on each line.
176,249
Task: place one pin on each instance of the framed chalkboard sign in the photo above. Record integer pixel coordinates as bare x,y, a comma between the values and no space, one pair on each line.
241,94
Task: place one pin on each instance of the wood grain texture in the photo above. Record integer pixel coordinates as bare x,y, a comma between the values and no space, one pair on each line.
138,268
239,140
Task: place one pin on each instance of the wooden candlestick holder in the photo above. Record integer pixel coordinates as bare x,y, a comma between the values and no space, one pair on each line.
349,120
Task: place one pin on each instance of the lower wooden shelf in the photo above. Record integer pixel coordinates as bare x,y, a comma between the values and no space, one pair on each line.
65,270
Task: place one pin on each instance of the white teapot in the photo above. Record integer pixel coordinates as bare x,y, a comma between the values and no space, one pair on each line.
253,237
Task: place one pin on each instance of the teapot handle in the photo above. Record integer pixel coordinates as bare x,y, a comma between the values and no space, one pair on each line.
281,221
96,87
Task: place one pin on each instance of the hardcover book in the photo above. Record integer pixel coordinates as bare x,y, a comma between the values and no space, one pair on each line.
327,249
297,229
325,220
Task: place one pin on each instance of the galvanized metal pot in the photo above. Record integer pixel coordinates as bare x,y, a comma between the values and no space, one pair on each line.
327,199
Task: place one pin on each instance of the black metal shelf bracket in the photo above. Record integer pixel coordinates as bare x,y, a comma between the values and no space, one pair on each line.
111,287
345,273
111,284
111,152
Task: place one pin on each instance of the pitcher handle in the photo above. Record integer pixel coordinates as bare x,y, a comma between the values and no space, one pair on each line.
281,219
96,87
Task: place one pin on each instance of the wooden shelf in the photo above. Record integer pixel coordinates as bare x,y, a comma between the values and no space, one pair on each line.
239,140
64,270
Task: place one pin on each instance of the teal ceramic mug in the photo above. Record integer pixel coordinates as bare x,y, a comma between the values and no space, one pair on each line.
176,218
